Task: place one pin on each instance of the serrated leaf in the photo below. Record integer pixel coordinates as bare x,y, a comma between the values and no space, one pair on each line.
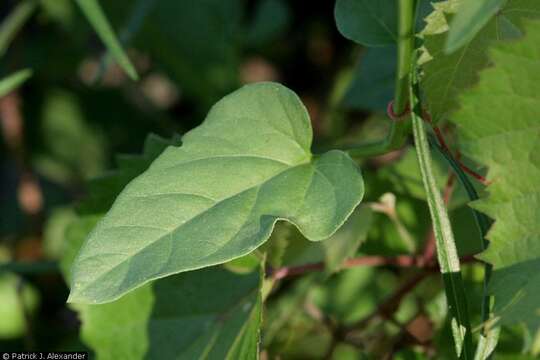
218,196
366,22
446,76
471,17
500,128
211,313
93,12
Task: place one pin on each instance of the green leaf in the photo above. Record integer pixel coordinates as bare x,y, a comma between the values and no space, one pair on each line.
218,196
498,125
446,76
14,22
13,81
14,294
471,17
333,251
205,62
366,22
93,12
373,81
211,313
70,140
346,241
103,190
271,19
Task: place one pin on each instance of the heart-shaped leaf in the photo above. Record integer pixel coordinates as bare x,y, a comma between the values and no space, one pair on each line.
218,196
367,22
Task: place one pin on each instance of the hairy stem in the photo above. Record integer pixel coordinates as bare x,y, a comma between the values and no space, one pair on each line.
446,247
489,336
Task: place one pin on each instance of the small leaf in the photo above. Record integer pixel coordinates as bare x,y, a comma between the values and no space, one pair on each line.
367,22
13,81
471,17
218,196
93,12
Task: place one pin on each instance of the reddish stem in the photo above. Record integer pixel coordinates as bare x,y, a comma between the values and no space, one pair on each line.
402,261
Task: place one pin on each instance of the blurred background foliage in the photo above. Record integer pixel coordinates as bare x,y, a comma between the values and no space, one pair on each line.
63,130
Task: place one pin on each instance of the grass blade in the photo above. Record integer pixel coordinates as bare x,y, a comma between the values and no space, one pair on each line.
446,248
14,21
93,12
13,81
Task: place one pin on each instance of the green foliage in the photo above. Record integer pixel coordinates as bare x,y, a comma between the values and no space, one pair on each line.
17,300
14,21
498,124
269,175
471,17
103,190
370,23
448,75
244,238
93,12
13,81
373,80
287,246
270,19
226,326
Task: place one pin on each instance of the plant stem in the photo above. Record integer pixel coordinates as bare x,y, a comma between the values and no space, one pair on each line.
446,247
399,129
489,336
406,18
402,261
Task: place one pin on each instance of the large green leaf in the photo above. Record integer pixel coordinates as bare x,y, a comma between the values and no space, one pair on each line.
370,23
218,196
499,124
211,314
446,76
471,17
